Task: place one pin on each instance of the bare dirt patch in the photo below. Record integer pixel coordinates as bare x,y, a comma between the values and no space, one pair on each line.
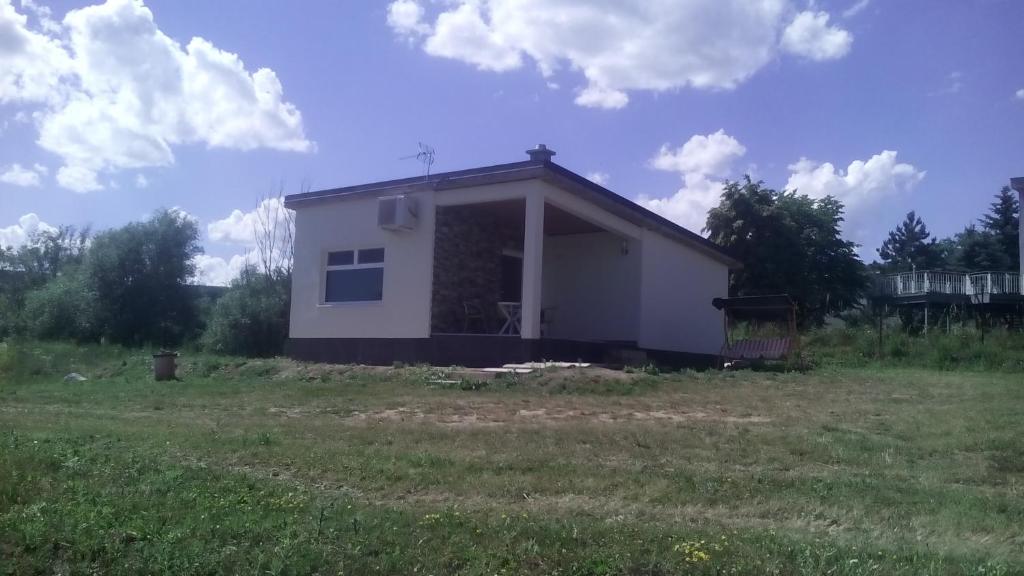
294,370
556,376
497,415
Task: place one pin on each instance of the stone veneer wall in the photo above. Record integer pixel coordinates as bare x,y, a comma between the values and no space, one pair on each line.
468,244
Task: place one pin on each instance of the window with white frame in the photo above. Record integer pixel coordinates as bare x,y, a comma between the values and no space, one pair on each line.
354,276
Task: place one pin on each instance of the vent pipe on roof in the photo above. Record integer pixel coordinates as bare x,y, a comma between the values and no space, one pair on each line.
540,153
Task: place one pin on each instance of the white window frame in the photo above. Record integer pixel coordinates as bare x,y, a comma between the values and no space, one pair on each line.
354,266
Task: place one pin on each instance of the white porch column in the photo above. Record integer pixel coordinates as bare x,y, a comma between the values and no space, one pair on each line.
533,264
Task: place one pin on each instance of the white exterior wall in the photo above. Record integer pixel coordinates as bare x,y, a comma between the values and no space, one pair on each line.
659,295
592,287
327,226
676,289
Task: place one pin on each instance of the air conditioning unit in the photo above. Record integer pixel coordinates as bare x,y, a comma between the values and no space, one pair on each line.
396,212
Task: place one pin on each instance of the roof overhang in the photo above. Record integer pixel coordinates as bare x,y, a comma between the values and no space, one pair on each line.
548,172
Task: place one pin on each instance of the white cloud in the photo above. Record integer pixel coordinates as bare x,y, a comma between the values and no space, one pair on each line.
122,94
689,206
856,8
405,17
15,235
710,155
32,64
810,36
1020,94
217,271
461,33
16,175
701,162
78,179
621,46
954,83
599,177
704,162
240,227
601,97
862,184
141,181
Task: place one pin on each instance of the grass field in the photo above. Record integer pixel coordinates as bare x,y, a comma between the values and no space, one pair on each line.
274,467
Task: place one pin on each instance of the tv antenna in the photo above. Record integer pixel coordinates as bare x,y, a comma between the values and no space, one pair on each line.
425,156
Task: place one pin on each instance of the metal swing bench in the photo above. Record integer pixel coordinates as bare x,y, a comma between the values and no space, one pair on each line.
776,309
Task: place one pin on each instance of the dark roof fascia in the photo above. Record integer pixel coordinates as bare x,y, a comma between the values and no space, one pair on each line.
444,180
631,211
516,171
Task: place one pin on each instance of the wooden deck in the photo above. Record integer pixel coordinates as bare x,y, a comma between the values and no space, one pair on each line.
940,287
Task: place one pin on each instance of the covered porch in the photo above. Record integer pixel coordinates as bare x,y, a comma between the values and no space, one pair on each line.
525,268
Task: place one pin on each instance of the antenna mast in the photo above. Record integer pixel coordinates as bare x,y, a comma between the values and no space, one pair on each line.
425,156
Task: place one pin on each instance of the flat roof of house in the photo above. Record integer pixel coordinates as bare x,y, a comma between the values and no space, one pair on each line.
544,170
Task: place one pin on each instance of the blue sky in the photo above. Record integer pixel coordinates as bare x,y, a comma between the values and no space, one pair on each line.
110,111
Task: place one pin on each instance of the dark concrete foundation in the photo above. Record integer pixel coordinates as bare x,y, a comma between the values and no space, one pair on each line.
479,351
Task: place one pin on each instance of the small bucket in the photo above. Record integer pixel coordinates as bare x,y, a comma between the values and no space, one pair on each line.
164,366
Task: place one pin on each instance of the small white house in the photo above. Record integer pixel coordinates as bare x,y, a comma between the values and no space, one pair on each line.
514,262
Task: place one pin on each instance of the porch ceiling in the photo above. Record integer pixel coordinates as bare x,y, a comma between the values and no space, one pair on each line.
510,213
558,222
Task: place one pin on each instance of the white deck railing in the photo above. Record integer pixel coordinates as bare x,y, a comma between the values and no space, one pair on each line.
995,283
953,283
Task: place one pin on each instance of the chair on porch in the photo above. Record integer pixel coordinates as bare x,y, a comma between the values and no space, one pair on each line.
472,313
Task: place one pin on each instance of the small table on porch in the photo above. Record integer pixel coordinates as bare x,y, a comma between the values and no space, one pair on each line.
512,311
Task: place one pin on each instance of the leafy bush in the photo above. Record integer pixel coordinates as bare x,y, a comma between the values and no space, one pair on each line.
251,319
10,316
61,309
8,360
45,255
961,348
129,286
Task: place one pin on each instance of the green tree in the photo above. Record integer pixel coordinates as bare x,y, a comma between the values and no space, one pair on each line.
1003,221
46,253
45,256
977,250
908,247
251,319
139,274
788,243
